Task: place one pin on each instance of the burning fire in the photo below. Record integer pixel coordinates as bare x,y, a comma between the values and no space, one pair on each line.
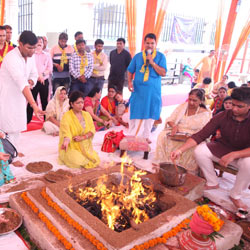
121,204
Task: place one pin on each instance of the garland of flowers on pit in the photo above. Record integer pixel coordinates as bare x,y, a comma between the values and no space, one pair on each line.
153,242
173,232
72,222
48,223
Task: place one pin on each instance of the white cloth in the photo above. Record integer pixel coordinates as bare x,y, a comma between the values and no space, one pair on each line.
50,128
205,158
14,75
54,108
144,130
14,139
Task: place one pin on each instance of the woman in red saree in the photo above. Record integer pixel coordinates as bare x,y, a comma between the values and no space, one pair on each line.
109,101
101,117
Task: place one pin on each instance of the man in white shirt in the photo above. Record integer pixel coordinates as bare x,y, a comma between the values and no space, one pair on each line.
17,75
100,64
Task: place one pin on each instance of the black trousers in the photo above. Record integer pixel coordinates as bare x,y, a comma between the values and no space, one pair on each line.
118,83
43,90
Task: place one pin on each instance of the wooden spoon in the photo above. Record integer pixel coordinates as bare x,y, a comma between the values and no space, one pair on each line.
177,170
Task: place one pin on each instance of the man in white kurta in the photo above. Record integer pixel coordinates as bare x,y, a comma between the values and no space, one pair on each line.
17,74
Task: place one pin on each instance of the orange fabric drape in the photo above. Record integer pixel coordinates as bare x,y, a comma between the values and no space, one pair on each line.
227,38
242,39
218,25
160,18
131,25
2,11
149,21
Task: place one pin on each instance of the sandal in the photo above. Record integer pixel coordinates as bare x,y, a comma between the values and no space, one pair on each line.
242,213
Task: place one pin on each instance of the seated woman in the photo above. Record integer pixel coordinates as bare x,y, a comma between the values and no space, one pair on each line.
187,118
218,101
76,133
207,86
55,110
93,106
108,102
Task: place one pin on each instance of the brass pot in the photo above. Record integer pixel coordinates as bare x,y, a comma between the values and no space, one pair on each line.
169,176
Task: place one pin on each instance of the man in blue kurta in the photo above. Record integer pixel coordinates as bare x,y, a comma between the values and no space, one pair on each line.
145,101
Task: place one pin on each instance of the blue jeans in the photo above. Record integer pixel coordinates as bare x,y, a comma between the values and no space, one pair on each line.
97,82
77,85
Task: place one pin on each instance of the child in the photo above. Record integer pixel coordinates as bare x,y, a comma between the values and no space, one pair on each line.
5,174
121,108
226,105
195,78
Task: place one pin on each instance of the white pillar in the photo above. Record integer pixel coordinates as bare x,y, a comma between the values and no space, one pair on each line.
11,18
140,12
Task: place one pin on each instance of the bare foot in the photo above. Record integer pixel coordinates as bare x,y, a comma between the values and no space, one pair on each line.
17,164
148,141
239,203
20,154
206,187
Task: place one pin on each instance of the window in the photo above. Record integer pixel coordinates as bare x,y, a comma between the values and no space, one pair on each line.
25,15
109,21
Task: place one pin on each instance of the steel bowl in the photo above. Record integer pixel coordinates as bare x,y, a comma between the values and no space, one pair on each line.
169,176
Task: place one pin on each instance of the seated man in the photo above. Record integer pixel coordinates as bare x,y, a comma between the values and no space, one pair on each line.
233,147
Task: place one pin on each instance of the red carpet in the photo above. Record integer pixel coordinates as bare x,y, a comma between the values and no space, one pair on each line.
168,100
34,124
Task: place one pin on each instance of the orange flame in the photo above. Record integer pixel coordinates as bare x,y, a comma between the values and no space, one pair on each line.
128,197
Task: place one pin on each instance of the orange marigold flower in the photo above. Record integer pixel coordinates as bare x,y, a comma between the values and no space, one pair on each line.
151,243
146,245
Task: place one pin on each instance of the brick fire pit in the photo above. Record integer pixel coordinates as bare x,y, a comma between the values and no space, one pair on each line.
127,239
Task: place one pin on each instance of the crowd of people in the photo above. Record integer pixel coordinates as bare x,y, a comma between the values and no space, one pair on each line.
213,124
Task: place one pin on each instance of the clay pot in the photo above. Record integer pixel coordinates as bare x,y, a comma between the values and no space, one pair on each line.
191,240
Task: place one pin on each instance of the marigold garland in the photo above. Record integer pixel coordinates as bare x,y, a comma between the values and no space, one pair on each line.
146,245
173,232
210,216
48,223
72,222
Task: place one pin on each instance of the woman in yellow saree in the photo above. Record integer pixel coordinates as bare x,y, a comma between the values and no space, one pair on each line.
75,137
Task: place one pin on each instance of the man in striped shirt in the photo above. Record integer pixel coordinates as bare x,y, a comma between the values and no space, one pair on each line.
81,68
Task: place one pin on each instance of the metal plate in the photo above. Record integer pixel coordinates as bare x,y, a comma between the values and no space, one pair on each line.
2,210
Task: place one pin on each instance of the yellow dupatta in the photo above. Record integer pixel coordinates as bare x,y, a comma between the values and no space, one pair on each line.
75,48
145,68
5,51
70,127
97,59
84,62
64,59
